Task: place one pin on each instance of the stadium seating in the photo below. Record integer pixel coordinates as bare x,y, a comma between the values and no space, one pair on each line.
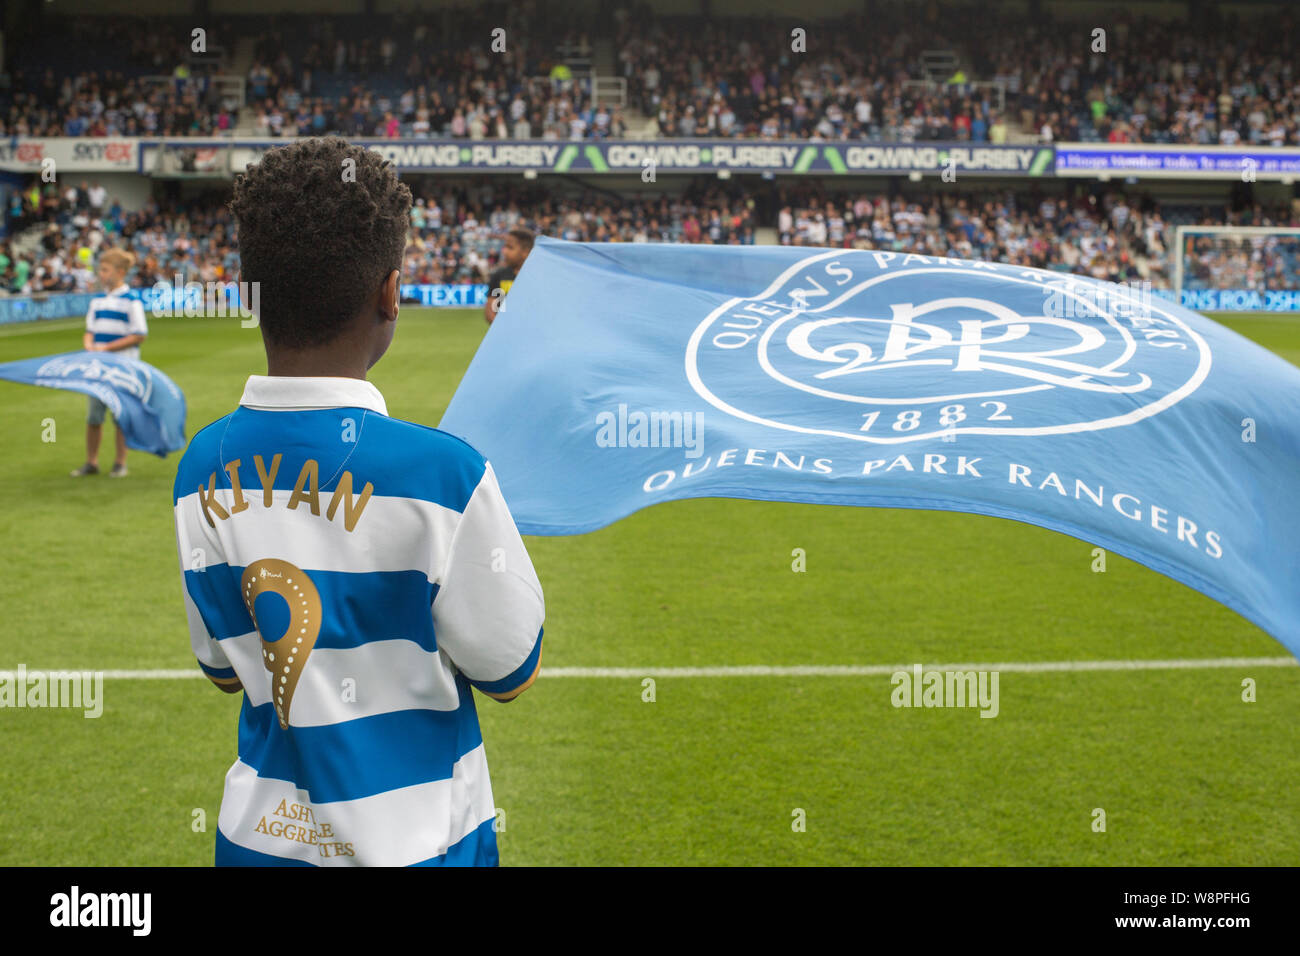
434,75
458,230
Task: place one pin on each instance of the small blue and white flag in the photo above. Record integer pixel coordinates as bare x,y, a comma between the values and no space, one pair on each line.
623,375
145,403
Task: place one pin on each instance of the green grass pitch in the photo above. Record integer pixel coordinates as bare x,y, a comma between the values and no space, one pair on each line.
714,770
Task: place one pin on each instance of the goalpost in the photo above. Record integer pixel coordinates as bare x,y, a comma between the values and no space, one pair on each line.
1238,268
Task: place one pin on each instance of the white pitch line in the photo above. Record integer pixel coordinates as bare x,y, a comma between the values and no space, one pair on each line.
869,670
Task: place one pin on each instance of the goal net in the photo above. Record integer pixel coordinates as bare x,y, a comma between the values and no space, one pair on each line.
1238,268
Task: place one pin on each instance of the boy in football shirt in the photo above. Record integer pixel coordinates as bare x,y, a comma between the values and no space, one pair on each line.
519,242
115,322
353,574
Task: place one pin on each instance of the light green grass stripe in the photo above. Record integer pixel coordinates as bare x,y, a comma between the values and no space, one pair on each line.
877,670
840,670
41,325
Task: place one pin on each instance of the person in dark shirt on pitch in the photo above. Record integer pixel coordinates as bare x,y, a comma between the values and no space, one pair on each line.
519,242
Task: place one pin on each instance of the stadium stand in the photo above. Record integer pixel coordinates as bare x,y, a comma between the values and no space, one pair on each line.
955,72
457,230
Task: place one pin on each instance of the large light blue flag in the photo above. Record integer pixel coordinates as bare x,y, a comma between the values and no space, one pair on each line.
622,375
146,404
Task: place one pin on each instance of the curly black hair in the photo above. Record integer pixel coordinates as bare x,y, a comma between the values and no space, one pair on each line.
319,235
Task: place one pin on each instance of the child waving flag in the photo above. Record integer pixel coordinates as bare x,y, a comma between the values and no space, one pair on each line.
115,322
353,574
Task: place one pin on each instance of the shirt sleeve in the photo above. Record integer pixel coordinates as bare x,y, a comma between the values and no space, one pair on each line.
138,325
489,609
199,551
90,314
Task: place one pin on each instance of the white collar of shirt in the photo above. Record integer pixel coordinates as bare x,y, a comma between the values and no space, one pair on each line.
121,290
287,393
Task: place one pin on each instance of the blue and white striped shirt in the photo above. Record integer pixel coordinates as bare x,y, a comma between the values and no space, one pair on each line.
357,575
115,316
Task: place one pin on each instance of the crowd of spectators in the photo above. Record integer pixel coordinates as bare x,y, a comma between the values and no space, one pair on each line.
1110,236
496,73
110,104
804,79
1225,81
503,71
457,230
194,239
1221,80
457,233
126,80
